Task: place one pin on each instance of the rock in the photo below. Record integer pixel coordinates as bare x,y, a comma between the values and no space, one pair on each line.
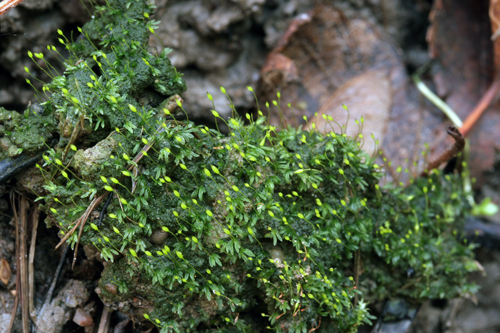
53,316
158,236
89,161
82,318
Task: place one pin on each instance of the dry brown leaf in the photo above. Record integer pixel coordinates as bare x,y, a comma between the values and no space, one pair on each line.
278,68
494,13
319,54
368,95
464,69
5,271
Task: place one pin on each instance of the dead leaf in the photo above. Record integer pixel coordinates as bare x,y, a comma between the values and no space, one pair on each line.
5,271
278,69
464,65
320,54
368,95
494,13
332,53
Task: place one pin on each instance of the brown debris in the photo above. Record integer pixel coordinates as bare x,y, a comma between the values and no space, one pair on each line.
7,5
295,24
463,72
105,320
23,255
278,68
325,60
110,287
481,106
5,271
456,148
368,95
494,13
31,266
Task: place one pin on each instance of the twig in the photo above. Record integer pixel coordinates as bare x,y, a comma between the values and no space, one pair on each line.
357,258
319,62
84,220
104,208
23,265
16,302
18,276
481,106
7,5
315,328
104,323
453,313
80,223
120,328
473,117
31,267
72,139
413,167
457,147
48,298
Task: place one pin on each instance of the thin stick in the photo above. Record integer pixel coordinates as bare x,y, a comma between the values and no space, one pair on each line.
412,167
120,328
457,147
89,210
48,298
72,139
85,215
389,168
481,106
159,130
31,269
77,244
104,323
7,5
18,276
104,208
315,328
23,267
80,223
14,309
357,258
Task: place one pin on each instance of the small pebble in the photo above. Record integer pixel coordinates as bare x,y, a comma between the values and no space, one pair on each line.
111,288
158,237
82,318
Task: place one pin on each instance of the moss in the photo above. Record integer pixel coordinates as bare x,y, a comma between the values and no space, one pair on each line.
24,134
286,237
284,222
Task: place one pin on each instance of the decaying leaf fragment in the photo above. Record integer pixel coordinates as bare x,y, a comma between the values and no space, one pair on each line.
5,271
367,95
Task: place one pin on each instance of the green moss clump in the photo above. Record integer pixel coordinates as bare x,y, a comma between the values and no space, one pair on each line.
269,219
202,226
109,69
24,134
